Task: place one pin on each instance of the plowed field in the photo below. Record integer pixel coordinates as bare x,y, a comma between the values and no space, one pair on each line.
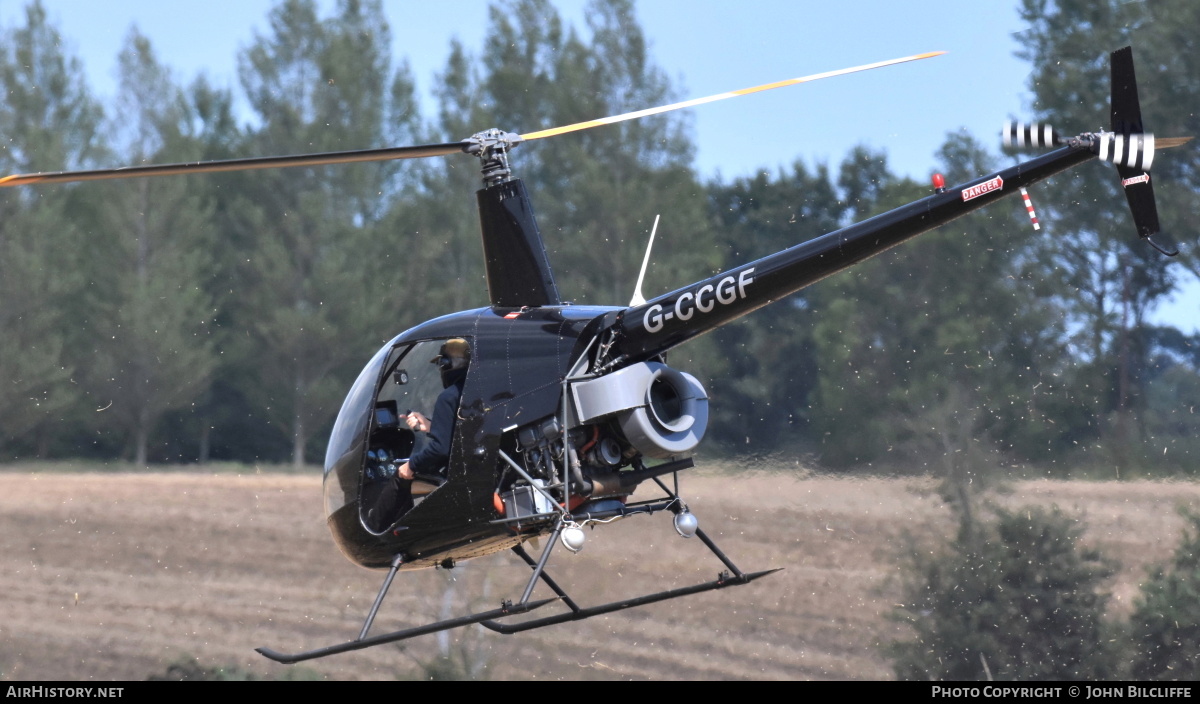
115,576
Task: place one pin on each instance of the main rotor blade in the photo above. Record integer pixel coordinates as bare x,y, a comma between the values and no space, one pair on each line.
207,167
721,96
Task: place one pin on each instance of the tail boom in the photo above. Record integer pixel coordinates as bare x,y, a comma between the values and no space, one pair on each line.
654,327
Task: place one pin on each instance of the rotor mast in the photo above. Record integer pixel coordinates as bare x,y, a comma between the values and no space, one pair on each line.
515,259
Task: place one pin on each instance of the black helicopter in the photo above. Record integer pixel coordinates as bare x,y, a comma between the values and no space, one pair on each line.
567,409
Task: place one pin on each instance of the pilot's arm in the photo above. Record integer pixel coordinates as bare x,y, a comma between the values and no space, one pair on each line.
436,452
419,423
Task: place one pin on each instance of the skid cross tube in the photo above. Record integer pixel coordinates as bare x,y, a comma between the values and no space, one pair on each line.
677,507
541,563
566,599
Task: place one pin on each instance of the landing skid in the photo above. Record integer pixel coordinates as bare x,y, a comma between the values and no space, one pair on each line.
506,610
732,577
578,614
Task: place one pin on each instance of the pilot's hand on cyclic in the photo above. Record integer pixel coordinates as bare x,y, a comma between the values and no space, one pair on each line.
405,471
417,422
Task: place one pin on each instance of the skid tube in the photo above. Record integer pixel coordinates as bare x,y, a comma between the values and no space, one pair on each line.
725,579
506,609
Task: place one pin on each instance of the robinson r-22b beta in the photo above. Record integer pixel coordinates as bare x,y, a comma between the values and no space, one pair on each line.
566,409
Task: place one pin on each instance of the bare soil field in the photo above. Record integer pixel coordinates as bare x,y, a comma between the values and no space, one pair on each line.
115,576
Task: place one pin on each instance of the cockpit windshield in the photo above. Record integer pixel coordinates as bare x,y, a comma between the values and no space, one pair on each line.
370,438
344,452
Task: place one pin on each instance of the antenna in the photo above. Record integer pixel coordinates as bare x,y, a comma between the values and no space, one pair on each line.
638,299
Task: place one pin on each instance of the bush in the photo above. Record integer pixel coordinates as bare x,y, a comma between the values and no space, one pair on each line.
1019,601
1165,624
188,669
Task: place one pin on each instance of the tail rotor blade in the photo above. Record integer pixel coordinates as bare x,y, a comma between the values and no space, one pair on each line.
1034,135
1171,142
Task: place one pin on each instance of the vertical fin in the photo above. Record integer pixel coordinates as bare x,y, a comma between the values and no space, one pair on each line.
1126,113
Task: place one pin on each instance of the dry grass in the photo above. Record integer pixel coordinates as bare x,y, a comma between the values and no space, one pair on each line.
114,576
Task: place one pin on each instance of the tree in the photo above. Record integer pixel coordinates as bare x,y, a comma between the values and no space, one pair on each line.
435,266
1107,280
307,306
158,353
1172,396
1020,601
770,379
1165,625
50,122
946,331
603,187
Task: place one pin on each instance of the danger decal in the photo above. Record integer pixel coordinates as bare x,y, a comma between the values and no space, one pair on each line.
973,192
1143,178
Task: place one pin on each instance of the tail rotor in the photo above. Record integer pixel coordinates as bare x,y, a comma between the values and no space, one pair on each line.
1127,146
1126,124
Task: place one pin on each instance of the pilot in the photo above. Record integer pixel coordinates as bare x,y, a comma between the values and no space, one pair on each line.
396,498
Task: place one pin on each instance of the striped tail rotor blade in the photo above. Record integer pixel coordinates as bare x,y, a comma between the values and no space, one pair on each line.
721,96
1128,151
1033,135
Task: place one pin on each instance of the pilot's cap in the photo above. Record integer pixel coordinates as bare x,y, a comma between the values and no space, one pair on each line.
455,353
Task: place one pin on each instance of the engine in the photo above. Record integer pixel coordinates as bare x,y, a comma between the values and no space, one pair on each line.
662,412
644,410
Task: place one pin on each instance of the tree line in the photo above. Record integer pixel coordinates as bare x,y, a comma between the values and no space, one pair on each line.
224,316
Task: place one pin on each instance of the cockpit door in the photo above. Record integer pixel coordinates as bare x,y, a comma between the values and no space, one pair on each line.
411,383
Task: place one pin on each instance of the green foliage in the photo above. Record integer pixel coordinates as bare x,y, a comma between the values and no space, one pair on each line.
1018,601
931,348
224,316
1172,395
153,300
770,368
50,122
307,306
1105,280
1165,625
188,669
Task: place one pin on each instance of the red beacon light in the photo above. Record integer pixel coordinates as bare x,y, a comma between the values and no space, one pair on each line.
939,183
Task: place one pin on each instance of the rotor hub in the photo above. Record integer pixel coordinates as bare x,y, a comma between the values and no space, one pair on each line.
491,146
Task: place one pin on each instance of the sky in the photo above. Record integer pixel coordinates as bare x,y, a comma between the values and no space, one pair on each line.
705,47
